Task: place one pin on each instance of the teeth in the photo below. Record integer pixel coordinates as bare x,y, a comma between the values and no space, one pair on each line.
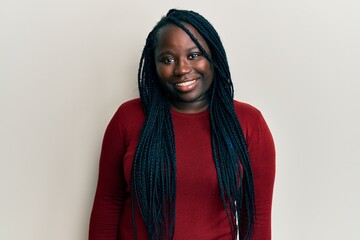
184,84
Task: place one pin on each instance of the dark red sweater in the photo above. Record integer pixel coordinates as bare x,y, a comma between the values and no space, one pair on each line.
199,211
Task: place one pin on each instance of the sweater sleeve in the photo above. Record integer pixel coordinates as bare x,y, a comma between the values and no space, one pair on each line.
111,188
262,159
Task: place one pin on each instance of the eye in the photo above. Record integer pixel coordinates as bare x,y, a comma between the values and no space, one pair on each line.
194,55
167,60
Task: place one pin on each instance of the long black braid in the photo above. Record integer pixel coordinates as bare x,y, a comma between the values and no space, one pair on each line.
153,177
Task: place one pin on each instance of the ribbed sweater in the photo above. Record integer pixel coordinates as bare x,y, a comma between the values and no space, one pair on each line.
200,213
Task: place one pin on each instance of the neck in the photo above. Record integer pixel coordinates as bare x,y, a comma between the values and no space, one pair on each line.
193,107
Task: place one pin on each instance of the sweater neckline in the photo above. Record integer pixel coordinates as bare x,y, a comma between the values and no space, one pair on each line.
189,115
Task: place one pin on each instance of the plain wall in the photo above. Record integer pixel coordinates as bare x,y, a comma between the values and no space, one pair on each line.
65,67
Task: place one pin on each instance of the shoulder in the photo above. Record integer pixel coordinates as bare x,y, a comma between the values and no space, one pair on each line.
131,105
251,119
131,108
130,112
245,111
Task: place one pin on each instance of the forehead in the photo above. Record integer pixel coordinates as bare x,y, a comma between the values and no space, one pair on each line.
171,35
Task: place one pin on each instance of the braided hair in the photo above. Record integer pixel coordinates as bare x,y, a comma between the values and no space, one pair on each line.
153,176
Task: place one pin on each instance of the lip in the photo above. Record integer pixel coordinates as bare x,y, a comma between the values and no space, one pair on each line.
186,85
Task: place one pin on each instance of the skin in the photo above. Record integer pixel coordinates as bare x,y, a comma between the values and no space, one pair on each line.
183,71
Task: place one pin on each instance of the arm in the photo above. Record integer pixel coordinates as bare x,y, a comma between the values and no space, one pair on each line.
262,158
110,192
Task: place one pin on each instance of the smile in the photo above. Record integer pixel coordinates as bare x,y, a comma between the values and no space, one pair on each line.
187,83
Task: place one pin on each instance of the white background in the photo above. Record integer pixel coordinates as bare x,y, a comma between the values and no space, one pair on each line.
65,66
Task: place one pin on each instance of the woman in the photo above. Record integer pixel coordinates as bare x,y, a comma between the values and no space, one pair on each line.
185,161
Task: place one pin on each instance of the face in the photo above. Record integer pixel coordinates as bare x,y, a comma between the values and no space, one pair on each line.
183,71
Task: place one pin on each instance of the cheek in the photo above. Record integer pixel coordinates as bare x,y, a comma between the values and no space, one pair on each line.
163,72
204,66
158,70
207,68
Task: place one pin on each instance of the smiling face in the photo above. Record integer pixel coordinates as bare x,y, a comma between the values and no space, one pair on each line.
183,71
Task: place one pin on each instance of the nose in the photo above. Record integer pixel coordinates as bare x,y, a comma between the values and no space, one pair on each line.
182,67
